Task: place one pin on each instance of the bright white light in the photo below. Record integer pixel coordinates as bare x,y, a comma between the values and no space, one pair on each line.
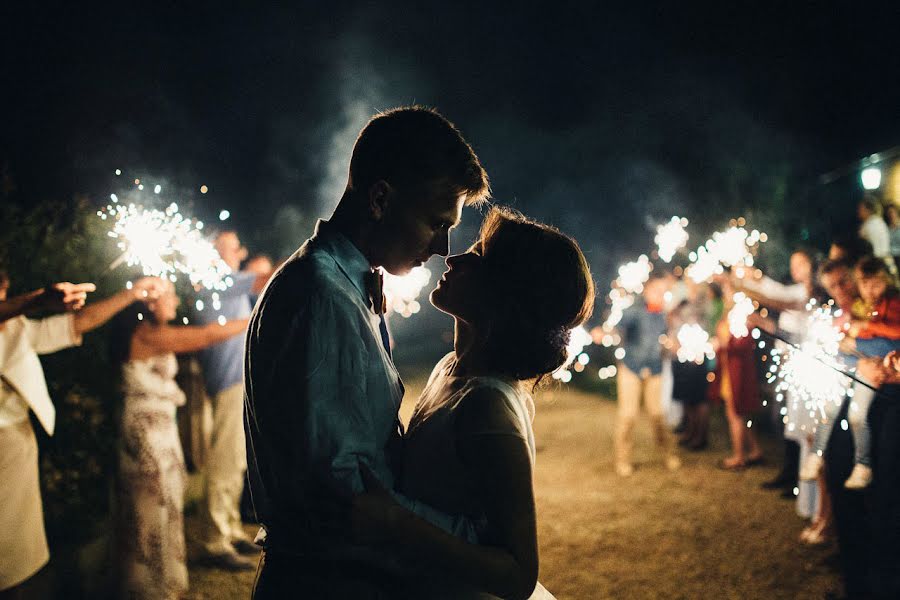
164,244
670,238
221,320
118,171
693,344
619,353
157,189
737,316
871,178
223,215
633,275
400,293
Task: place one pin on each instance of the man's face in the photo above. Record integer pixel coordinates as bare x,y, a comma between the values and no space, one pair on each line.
414,226
862,212
229,247
655,291
839,284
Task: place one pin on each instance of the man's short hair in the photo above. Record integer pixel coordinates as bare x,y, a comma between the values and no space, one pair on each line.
871,204
830,266
413,145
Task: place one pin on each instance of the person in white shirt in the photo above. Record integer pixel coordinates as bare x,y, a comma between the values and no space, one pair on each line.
874,230
23,543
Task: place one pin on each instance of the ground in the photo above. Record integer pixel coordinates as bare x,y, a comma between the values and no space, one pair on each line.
696,533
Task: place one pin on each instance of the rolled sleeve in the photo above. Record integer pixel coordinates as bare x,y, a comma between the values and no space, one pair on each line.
53,333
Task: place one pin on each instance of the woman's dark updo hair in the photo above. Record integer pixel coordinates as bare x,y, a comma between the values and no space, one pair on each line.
538,287
122,330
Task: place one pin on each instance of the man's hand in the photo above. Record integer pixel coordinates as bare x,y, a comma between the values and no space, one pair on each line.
375,513
64,296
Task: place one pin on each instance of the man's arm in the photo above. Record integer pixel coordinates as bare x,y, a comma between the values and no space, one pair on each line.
57,297
334,418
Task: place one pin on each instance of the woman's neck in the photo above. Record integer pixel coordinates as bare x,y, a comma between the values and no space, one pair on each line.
469,350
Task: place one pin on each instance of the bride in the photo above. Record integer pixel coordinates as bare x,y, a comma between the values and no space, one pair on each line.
469,449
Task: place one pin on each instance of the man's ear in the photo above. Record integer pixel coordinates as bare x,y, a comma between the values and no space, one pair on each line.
380,194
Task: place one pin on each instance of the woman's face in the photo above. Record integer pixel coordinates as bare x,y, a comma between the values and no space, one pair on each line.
460,292
165,308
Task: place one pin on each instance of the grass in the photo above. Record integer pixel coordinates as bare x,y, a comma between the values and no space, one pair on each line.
695,533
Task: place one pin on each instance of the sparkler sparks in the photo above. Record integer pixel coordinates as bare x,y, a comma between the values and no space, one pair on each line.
670,238
810,372
693,344
166,244
733,247
578,339
737,316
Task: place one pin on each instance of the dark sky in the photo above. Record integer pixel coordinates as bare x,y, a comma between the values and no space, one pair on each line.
601,120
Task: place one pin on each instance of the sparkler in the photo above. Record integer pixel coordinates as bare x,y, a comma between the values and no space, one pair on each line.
693,344
401,292
165,244
737,316
811,372
670,238
578,339
733,247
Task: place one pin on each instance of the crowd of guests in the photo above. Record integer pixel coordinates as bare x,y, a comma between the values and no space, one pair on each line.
844,480
151,476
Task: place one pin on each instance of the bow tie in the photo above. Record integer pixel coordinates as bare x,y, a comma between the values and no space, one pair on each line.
375,288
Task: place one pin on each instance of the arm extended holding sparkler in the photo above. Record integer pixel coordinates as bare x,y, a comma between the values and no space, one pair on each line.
770,293
96,314
58,297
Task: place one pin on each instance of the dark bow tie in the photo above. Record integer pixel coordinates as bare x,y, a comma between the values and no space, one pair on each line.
375,288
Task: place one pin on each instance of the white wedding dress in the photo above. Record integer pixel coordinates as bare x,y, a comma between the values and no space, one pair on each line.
433,473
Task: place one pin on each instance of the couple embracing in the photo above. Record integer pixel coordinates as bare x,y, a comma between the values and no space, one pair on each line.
351,505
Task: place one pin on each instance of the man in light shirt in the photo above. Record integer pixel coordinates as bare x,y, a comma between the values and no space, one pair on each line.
23,543
874,229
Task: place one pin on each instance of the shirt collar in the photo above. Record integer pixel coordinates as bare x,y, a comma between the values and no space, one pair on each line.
348,257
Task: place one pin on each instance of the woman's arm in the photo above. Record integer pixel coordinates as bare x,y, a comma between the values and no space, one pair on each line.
96,314
180,340
500,464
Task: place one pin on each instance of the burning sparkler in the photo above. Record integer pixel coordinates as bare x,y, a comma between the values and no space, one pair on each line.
693,344
733,247
670,238
737,316
576,358
811,372
165,244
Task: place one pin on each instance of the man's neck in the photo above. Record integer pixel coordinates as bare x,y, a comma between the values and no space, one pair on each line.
356,230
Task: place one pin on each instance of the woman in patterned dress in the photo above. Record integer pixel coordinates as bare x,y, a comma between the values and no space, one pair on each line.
151,464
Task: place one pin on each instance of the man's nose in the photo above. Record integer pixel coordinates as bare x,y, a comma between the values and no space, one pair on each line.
440,244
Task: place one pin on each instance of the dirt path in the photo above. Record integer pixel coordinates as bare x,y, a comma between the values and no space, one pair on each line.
696,533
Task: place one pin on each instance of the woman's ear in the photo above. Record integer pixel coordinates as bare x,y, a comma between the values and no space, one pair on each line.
380,194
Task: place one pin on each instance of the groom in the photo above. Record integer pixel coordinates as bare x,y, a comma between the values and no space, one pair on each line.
322,392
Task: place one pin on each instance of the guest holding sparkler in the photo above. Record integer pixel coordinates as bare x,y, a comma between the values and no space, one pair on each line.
690,377
736,385
874,230
640,374
224,540
23,543
877,336
791,300
151,464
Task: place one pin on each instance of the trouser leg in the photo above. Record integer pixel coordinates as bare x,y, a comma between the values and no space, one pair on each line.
628,387
226,467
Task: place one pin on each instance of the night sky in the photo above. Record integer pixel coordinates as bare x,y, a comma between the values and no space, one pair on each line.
601,121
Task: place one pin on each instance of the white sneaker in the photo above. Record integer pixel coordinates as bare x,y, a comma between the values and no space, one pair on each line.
811,468
860,478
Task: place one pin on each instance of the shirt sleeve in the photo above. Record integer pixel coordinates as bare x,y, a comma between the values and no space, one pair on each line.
334,414
776,291
52,334
242,286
